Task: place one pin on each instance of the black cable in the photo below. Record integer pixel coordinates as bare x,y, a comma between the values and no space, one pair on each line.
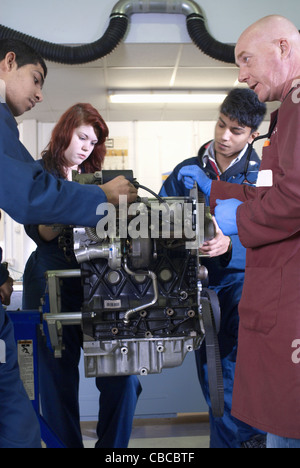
250,149
139,186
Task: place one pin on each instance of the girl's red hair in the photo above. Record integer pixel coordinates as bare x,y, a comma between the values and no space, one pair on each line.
77,115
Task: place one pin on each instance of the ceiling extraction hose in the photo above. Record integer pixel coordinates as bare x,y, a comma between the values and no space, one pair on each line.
73,55
205,42
117,28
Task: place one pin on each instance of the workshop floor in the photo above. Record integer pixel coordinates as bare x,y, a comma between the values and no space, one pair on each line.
184,431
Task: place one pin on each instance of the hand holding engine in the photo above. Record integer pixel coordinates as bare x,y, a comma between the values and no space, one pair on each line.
119,186
225,214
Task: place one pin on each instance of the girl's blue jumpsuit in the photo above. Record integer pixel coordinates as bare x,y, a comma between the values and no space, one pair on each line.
59,378
226,279
30,195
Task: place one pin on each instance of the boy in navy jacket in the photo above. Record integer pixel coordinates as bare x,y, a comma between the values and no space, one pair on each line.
224,159
30,195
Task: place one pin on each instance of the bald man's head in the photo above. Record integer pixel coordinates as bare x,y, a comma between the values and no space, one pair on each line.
272,27
268,54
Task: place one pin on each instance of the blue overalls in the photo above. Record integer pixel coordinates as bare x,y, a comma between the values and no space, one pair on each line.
19,427
29,195
59,378
226,279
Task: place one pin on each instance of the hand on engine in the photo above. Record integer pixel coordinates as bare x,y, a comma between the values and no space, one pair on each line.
225,214
191,174
119,186
6,290
218,245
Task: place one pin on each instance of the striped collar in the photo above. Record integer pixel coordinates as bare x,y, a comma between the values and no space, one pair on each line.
209,155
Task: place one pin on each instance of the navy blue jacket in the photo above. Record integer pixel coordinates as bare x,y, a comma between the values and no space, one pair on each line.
31,195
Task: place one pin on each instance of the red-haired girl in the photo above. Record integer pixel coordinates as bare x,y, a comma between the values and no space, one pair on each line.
77,143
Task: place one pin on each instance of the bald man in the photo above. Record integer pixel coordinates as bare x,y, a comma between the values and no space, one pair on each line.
267,220
268,55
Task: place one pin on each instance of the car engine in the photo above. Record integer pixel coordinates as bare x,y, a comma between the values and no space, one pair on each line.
145,306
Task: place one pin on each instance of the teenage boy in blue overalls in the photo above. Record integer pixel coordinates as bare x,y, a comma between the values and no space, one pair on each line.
30,195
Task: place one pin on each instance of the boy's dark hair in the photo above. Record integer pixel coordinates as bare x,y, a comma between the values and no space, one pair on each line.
25,55
242,104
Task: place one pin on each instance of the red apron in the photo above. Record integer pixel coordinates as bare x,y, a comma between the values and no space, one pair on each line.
267,380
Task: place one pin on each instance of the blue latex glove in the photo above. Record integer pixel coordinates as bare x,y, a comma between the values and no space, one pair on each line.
191,174
225,214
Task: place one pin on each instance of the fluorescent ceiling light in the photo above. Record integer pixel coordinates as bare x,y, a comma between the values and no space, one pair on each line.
165,98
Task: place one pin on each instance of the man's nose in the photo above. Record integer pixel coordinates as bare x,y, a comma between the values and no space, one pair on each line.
226,134
39,96
243,75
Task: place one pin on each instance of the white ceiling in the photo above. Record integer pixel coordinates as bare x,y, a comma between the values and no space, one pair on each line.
136,66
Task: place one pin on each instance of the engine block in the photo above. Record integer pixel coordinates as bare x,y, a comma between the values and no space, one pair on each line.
142,282
138,321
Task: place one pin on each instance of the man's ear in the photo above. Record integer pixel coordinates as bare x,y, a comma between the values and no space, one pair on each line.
285,48
253,135
10,61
